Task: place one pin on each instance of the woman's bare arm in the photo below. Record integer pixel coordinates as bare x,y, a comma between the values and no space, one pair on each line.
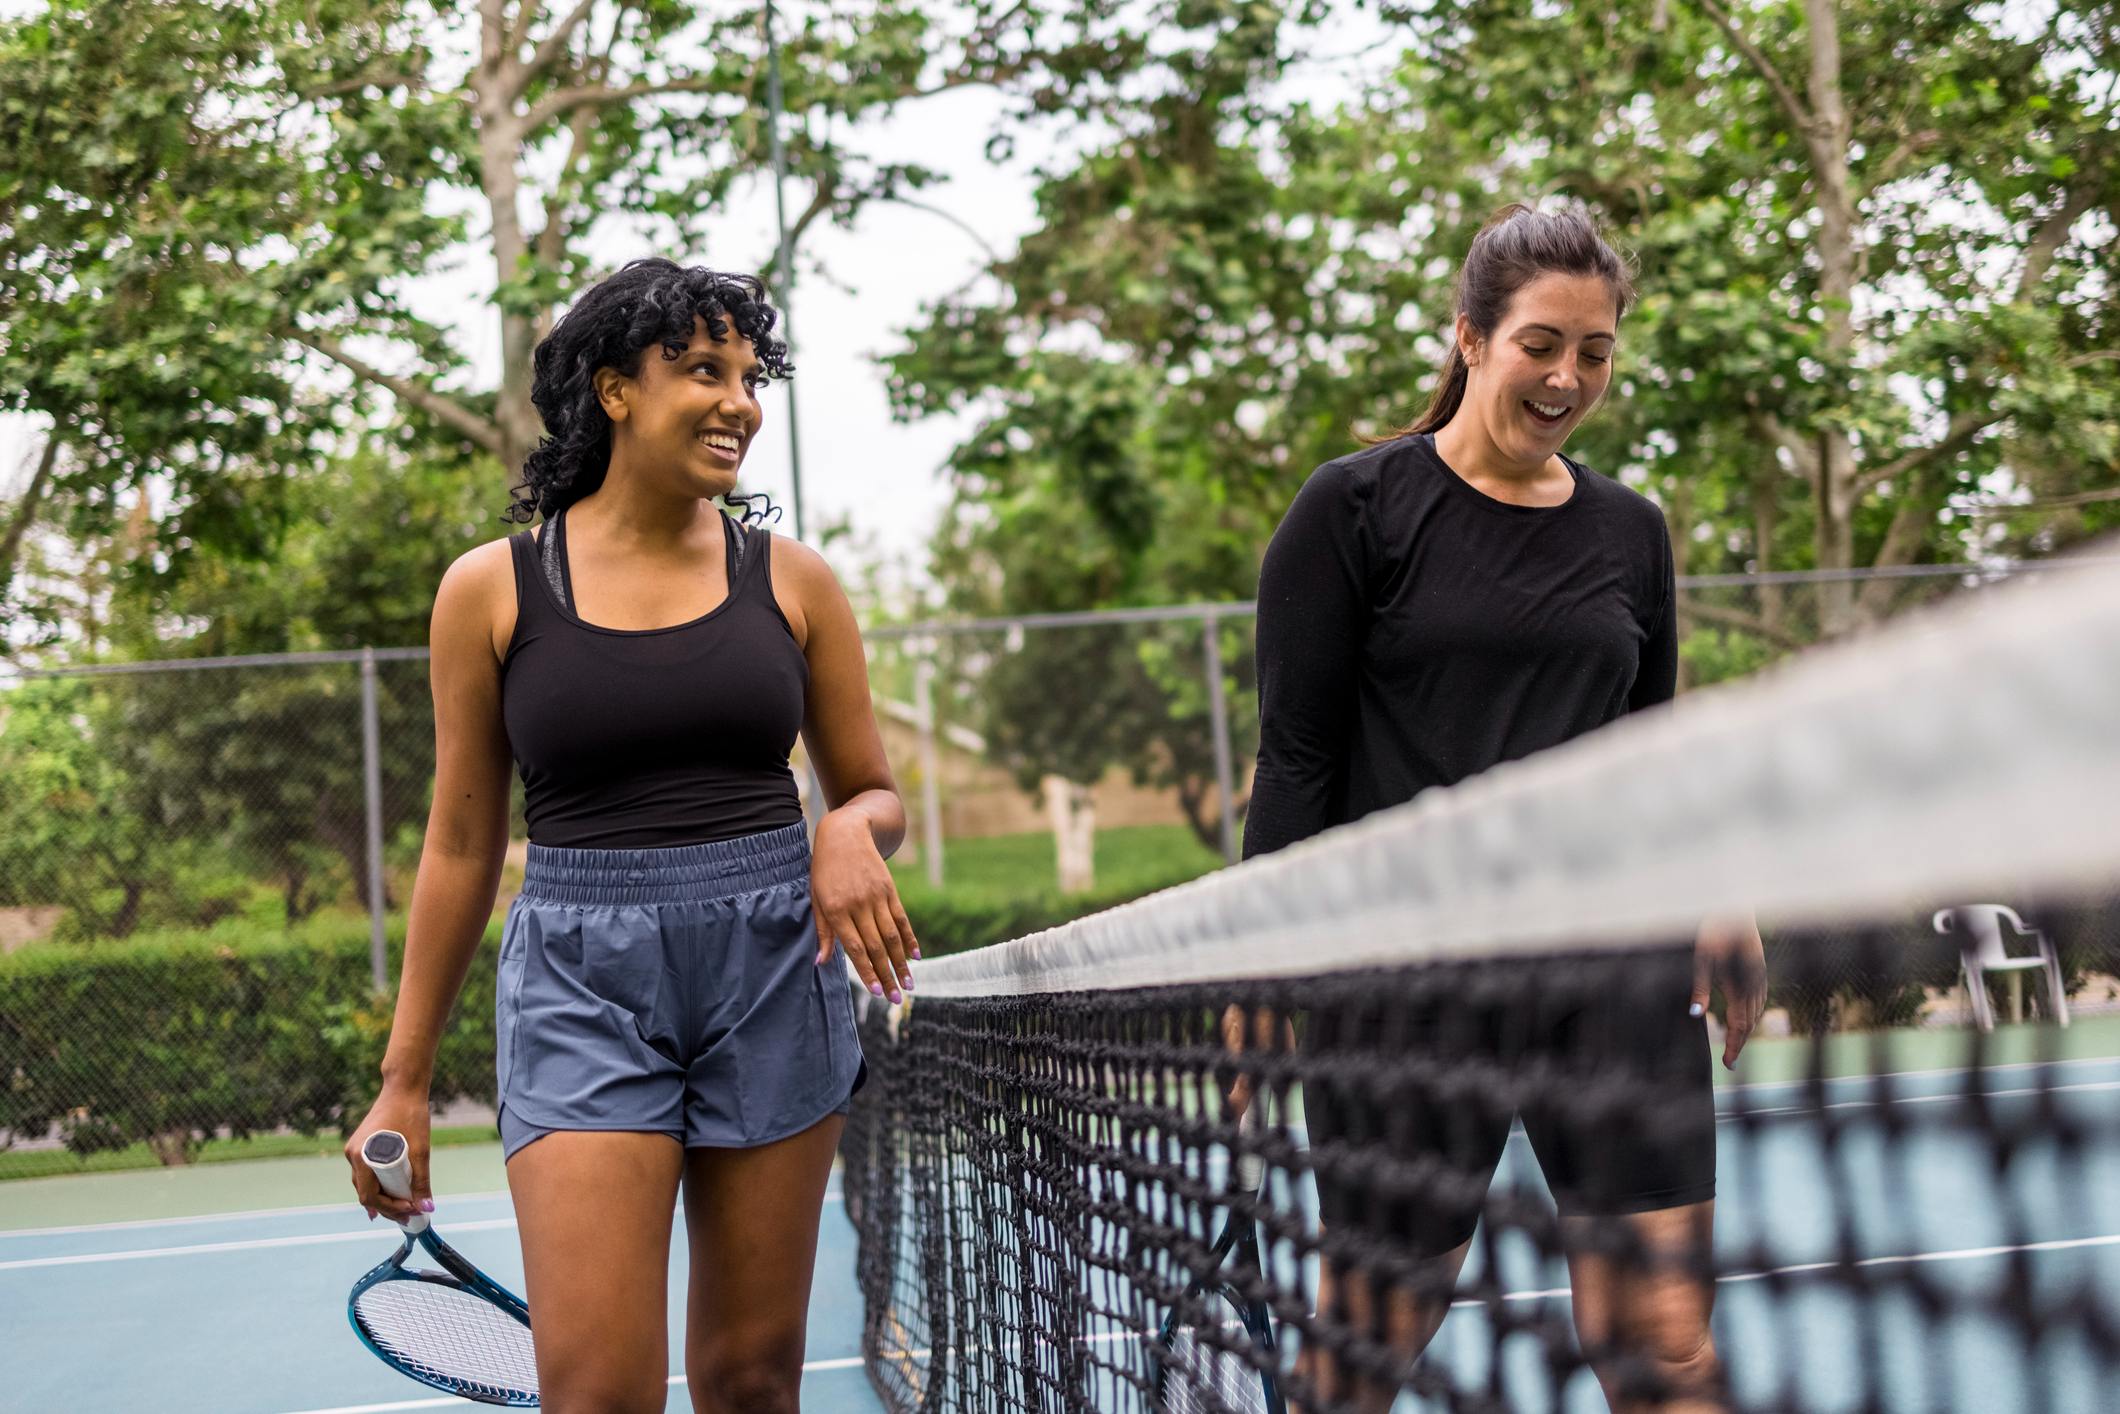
460,862
855,898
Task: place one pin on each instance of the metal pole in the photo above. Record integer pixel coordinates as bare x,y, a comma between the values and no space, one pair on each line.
784,264
372,787
784,295
1218,714
930,767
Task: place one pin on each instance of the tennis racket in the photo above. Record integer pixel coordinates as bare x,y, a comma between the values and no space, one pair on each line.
455,1330
1194,1374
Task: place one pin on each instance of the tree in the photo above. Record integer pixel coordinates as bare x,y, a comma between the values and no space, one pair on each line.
1113,468
1877,249
204,204
1877,263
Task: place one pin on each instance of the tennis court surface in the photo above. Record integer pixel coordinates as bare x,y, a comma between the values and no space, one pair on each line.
232,1298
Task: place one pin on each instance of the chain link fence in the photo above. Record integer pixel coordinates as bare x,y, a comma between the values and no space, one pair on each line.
205,864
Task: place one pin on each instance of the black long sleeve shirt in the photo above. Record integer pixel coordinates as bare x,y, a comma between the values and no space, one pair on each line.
1413,631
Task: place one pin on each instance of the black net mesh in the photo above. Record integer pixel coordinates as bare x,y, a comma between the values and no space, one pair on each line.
1443,1067
1901,1222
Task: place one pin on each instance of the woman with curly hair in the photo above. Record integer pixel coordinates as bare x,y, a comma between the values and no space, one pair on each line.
673,1014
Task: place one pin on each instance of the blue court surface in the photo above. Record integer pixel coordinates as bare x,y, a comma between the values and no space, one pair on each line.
243,1312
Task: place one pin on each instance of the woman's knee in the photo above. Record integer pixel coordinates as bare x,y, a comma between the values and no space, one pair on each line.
588,1390
1661,1364
758,1378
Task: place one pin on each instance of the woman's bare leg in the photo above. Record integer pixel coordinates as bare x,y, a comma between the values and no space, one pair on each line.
752,1216
1649,1308
594,1211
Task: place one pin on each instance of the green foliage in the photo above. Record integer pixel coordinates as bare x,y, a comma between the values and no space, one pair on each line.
170,1038
210,212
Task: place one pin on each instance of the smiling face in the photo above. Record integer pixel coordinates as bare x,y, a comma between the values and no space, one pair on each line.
1546,365
691,417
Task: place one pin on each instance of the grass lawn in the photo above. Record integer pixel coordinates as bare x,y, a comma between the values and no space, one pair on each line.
999,869
53,1163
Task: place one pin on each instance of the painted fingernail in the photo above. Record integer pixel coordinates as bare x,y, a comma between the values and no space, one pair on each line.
426,1205
895,997
1693,1010
876,987
909,982
916,954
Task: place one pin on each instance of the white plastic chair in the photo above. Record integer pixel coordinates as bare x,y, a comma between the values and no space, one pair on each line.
1980,951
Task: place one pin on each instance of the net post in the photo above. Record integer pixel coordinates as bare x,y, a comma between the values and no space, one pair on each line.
930,762
1218,718
372,788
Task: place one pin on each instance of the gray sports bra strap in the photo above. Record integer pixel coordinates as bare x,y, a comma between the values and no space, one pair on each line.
552,555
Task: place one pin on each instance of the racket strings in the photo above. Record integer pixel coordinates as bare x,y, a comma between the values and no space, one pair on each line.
450,1337
1204,1377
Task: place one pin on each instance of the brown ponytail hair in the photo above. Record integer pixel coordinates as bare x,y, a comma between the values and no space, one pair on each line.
1517,245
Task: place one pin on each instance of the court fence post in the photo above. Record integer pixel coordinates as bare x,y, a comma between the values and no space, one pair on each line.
930,761
1218,718
372,788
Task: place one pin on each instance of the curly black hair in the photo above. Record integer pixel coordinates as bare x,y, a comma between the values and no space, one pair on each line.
611,326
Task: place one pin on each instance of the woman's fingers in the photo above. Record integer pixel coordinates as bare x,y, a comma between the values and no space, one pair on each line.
366,1191
890,971
824,936
885,922
905,927
837,926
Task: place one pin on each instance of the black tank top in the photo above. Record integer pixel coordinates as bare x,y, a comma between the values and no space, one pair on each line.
645,738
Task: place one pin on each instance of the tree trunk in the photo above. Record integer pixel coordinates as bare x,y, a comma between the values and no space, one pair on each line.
1766,511
171,1147
1073,812
1681,515
494,85
25,515
1840,266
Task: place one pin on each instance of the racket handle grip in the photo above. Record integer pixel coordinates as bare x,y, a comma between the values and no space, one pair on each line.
390,1158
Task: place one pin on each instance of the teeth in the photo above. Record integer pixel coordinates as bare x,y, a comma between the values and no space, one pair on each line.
722,440
1546,409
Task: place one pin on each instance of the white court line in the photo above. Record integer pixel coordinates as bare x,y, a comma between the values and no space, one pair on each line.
1952,1097
370,1234
450,1401
1871,1078
138,1223
223,1217
251,1213
1964,1254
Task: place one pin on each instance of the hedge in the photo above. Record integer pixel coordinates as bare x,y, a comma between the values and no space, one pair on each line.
245,1028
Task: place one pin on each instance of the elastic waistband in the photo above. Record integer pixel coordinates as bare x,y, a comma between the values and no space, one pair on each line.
681,874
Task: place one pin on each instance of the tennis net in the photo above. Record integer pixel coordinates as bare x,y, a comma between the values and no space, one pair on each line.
1223,1148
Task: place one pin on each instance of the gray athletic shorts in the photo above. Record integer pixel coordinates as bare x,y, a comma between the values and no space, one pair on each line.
671,991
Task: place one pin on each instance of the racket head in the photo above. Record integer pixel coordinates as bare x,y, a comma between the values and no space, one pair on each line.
1201,1374
455,1330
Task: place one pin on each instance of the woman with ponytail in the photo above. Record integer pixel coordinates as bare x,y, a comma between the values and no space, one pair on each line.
1453,596
673,1013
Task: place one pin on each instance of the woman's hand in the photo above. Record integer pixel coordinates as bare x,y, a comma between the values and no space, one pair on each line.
1729,955
404,1109
856,901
